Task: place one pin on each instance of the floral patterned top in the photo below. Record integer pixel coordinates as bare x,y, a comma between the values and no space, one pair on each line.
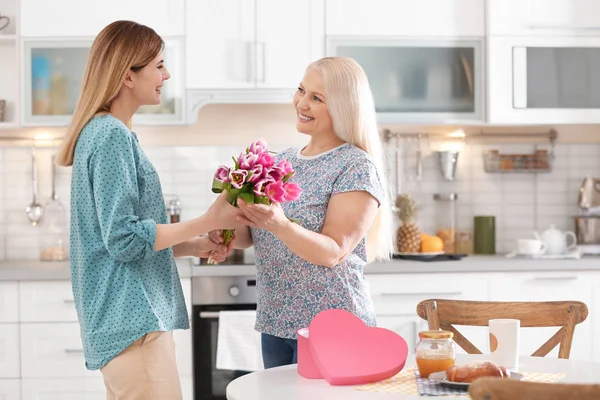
292,291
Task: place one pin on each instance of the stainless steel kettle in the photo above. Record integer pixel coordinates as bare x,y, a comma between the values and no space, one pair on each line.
589,194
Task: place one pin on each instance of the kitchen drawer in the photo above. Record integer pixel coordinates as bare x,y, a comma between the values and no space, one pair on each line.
9,351
52,351
10,389
9,301
64,389
550,286
399,294
47,302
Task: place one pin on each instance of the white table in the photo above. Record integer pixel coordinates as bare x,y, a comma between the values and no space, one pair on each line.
285,383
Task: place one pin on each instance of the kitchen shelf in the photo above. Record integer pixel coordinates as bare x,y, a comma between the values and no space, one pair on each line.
538,162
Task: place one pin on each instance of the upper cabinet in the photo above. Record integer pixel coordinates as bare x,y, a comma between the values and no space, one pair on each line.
53,73
405,17
418,80
74,18
543,17
251,44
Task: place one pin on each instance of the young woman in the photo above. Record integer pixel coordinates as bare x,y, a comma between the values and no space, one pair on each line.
344,213
125,282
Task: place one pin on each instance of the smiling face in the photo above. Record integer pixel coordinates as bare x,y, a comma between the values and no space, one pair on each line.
148,81
312,115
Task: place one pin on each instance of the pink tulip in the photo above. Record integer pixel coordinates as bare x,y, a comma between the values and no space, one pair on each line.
266,160
276,173
260,187
276,192
247,161
285,166
258,147
222,174
238,178
292,191
257,172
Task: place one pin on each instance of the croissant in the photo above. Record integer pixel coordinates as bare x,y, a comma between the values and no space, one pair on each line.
469,372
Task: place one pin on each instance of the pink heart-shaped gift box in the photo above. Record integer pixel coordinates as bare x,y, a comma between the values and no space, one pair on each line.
341,349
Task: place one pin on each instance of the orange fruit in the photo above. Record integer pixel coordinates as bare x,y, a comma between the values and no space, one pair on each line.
432,244
424,236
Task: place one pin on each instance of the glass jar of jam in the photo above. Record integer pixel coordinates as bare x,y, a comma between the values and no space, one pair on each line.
435,352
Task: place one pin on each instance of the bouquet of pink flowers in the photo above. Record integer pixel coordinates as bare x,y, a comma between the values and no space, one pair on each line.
256,179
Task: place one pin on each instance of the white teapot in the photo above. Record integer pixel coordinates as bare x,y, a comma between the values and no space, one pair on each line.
555,240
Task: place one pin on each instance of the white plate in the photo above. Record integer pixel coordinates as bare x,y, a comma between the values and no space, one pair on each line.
431,254
441,377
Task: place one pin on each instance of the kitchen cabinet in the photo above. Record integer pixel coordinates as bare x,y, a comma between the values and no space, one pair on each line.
395,299
420,80
63,389
42,18
549,286
45,351
260,44
543,18
9,351
53,72
426,18
10,389
53,350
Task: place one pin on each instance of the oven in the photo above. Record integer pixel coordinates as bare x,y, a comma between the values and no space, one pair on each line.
210,295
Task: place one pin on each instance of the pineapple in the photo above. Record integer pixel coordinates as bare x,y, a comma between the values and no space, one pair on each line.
408,237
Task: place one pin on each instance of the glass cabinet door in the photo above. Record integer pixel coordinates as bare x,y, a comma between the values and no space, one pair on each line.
53,75
556,77
52,80
420,81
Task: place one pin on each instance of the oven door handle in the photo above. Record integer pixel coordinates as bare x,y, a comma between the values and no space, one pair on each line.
209,314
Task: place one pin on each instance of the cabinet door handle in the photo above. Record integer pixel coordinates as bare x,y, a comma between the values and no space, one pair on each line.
421,294
73,351
69,301
555,278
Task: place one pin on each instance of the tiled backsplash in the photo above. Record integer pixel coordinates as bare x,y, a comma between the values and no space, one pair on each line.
520,202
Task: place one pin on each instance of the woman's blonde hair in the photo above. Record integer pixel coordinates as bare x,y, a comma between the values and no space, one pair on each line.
352,109
118,48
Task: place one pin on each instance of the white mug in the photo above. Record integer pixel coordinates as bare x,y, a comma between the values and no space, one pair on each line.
504,342
530,246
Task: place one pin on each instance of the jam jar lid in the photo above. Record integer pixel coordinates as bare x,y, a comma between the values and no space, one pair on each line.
436,334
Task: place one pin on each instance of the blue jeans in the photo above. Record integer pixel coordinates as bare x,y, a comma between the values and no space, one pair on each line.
278,351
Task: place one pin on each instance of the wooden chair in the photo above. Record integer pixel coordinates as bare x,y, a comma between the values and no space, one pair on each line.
442,314
507,389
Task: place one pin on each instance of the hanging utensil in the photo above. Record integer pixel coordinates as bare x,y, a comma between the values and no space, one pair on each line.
34,211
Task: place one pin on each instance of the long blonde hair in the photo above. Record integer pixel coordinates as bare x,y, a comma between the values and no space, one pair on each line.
119,47
352,109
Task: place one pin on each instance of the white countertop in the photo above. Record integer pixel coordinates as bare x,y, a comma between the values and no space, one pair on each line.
45,270
284,382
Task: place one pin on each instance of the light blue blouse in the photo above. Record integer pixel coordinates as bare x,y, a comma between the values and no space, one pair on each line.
123,289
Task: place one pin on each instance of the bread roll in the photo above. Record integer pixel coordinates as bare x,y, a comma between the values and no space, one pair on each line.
469,372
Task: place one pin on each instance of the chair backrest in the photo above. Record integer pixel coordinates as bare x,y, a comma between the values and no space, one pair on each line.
443,314
508,389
